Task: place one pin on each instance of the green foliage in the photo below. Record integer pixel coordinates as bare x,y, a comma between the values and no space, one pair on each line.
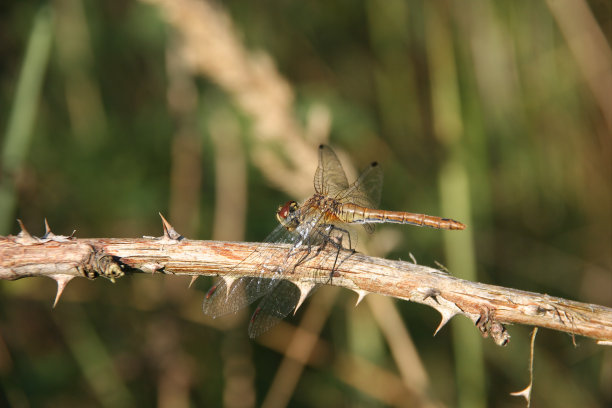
493,88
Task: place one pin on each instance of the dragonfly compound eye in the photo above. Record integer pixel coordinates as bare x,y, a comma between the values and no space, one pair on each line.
283,211
292,206
284,215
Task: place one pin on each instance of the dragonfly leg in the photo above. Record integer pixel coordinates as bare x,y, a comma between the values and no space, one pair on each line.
308,254
335,240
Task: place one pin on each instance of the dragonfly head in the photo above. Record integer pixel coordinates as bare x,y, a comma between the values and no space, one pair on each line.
286,215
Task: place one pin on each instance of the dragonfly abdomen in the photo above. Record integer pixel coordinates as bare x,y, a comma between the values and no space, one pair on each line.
355,214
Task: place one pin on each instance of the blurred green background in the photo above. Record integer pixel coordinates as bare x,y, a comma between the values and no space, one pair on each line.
497,114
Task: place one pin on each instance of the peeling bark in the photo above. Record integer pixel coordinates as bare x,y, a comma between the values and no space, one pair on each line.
63,258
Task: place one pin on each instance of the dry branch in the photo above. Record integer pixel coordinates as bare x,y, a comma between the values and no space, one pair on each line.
63,258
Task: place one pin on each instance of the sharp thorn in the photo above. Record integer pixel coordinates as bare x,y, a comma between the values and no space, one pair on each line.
48,233
24,232
166,226
193,279
24,237
229,281
305,289
23,228
442,267
360,295
62,282
447,314
526,393
169,231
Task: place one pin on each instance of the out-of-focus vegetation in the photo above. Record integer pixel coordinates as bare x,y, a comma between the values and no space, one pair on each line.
498,114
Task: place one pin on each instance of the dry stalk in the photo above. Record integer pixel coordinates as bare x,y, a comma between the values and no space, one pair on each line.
489,307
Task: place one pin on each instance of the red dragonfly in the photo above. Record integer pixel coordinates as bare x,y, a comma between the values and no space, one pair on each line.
324,218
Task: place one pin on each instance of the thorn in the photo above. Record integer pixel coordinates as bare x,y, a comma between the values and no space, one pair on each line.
48,233
305,289
24,237
193,279
50,236
442,267
24,231
169,231
414,261
526,393
229,281
360,295
152,267
166,226
447,314
62,281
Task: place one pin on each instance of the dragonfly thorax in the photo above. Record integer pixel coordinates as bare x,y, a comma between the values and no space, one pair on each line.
286,215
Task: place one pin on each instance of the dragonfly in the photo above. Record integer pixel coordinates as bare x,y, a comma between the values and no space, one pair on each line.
323,219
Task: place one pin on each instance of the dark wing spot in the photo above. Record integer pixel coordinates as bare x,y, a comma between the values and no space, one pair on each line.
211,291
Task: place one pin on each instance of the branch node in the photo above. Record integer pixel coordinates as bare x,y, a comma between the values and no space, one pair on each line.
107,266
432,293
489,327
101,264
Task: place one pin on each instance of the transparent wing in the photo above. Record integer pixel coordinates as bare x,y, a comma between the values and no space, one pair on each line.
329,178
275,307
221,300
365,191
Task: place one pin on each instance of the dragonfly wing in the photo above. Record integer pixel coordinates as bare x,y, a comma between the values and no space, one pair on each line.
281,301
272,261
329,177
221,299
366,190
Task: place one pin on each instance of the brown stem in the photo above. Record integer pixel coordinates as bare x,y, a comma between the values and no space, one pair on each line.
488,306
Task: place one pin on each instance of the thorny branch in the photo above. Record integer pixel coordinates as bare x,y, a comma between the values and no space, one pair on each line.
63,258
